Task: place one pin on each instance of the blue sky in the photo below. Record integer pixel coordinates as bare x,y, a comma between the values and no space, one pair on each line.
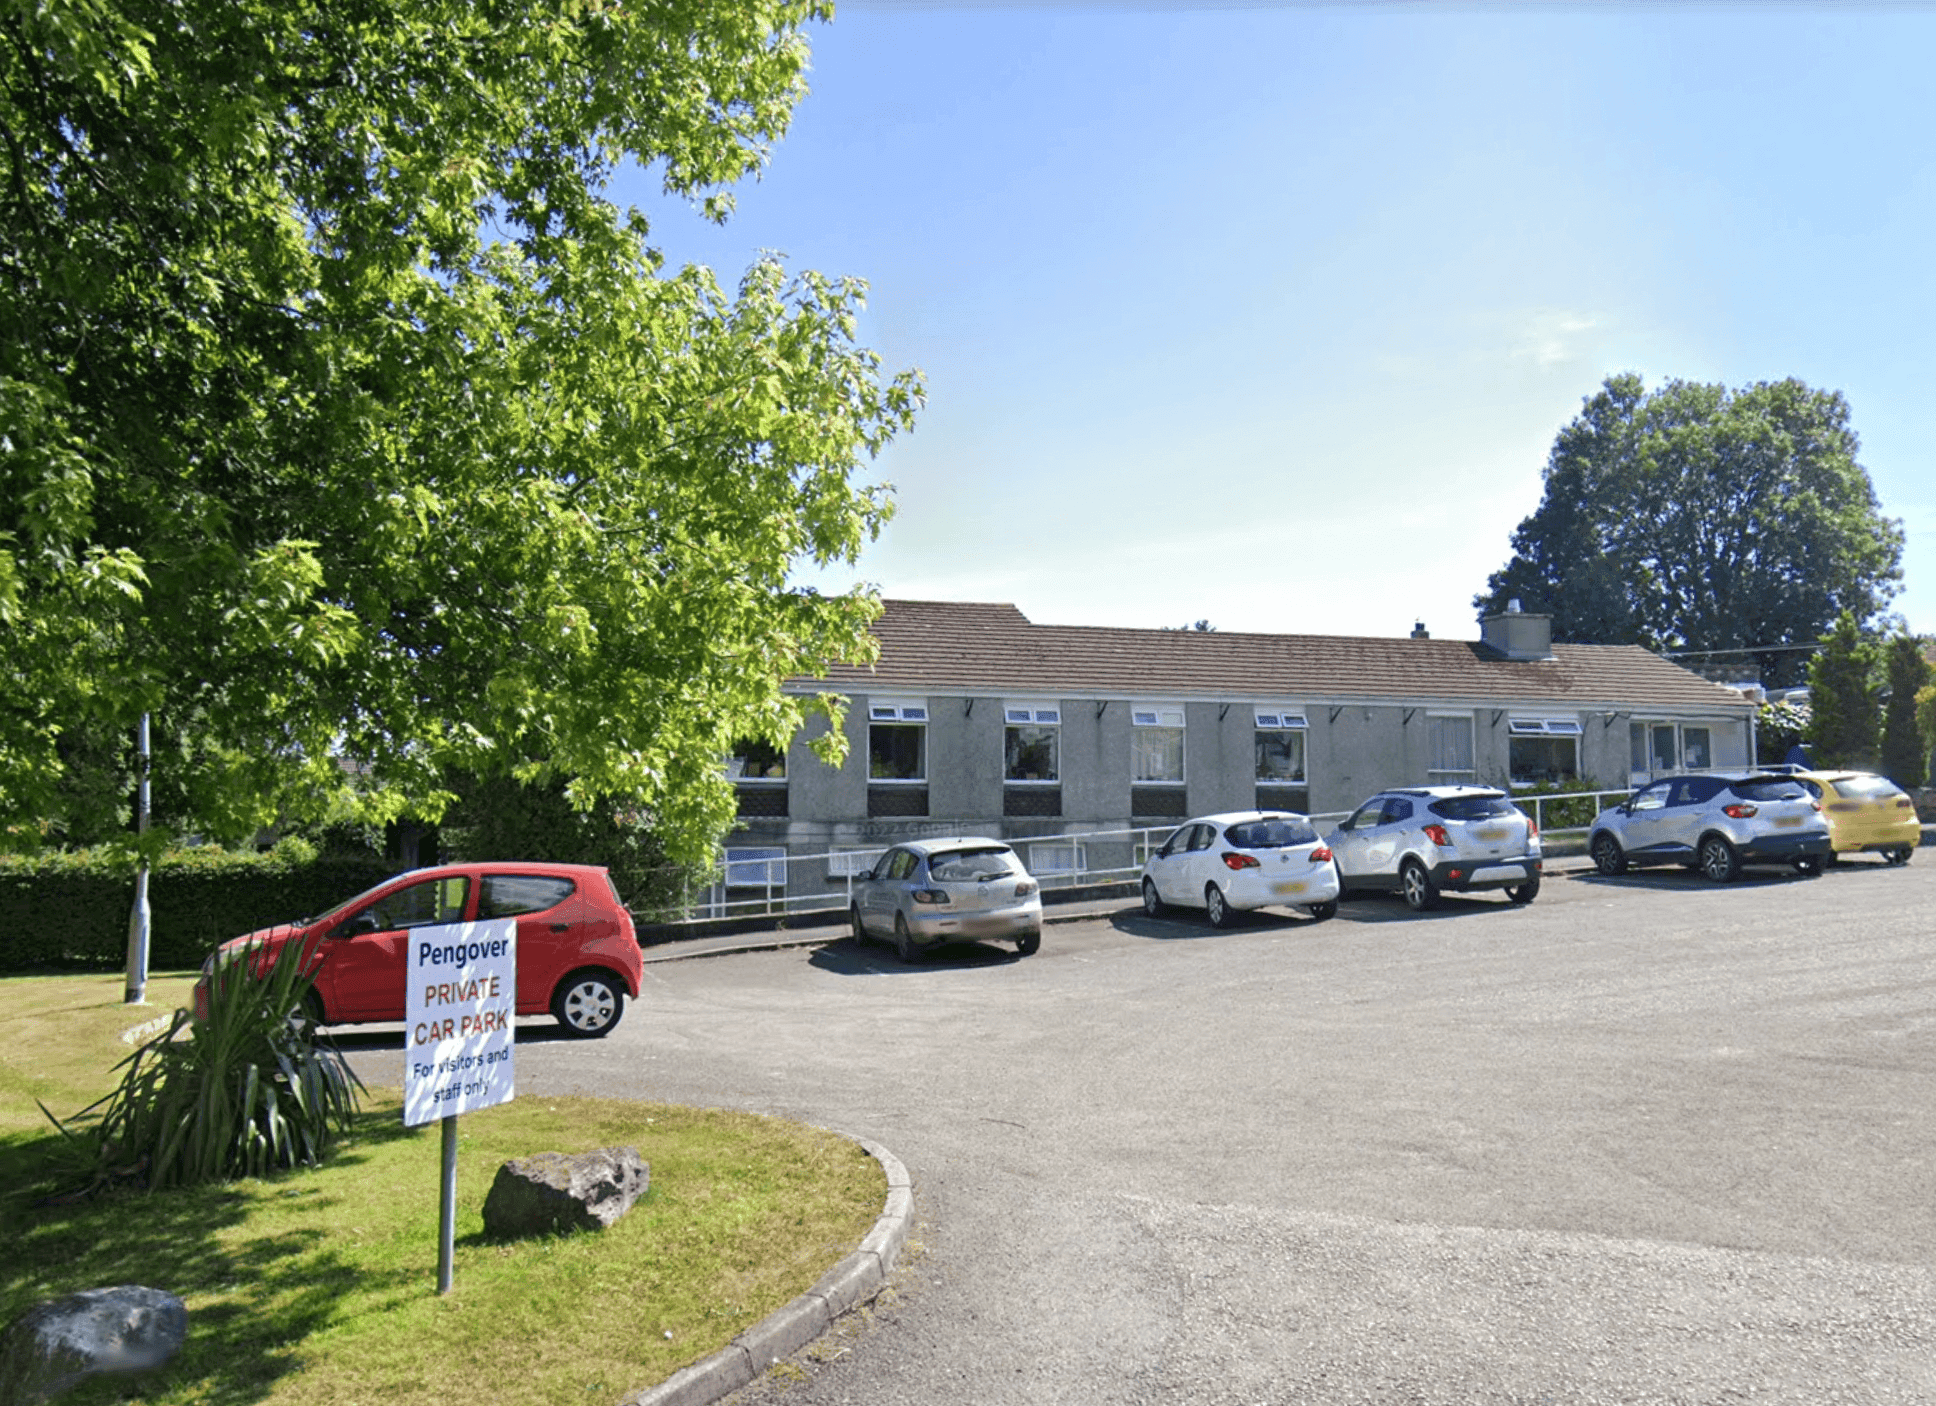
1268,315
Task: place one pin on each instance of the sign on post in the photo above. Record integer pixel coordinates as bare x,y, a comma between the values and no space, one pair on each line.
460,1011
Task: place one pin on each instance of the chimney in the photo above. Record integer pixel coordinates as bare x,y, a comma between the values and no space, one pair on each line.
1516,634
1419,631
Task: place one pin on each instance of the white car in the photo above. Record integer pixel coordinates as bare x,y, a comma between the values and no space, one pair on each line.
1239,861
1422,840
926,892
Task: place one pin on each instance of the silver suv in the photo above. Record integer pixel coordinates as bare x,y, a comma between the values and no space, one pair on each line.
1422,840
1715,824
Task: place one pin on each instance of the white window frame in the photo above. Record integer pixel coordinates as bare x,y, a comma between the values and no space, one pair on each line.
736,769
846,864
1166,717
1679,764
1074,850
903,712
1432,741
1020,714
769,860
1555,728
1283,717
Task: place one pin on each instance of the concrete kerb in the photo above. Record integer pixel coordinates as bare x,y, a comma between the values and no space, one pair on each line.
852,1282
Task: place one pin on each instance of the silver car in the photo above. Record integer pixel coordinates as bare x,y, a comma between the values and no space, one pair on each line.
927,892
1714,824
1226,864
1423,840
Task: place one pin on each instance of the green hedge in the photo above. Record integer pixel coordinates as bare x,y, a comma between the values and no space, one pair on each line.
68,911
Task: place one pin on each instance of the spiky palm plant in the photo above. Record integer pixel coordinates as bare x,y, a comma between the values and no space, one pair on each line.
248,1090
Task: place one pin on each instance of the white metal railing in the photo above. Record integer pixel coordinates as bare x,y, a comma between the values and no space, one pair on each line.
1077,848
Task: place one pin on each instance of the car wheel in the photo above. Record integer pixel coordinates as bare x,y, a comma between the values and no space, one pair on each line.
1419,890
1899,855
1524,893
1809,867
1608,857
904,947
587,1004
1217,907
853,919
1320,912
1152,904
1029,943
1718,859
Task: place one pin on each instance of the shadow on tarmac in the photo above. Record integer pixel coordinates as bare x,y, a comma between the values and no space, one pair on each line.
850,958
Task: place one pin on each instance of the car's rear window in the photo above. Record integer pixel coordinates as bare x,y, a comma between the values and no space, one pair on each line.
1471,807
968,865
1278,832
1866,788
507,895
1769,789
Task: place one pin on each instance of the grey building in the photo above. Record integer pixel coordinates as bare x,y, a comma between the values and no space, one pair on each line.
975,720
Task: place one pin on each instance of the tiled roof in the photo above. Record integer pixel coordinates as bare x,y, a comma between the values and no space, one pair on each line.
953,646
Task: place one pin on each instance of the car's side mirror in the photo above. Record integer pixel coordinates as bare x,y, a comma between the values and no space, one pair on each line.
365,921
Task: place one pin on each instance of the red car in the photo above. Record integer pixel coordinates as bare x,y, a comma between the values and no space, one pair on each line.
578,954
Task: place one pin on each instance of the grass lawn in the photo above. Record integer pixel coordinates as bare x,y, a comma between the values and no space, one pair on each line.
321,1287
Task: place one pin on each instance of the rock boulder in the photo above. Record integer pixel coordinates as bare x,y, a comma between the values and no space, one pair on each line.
552,1192
59,1344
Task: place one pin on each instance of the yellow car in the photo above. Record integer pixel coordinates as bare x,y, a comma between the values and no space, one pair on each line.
1867,814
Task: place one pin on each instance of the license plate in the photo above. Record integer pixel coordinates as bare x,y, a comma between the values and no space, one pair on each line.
1493,834
1289,886
1784,822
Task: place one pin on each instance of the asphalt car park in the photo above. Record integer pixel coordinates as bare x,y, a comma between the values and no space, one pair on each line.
1647,1140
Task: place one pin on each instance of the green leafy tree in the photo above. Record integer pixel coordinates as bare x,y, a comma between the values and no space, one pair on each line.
1905,752
347,427
1697,518
496,817
1842,729
1779,727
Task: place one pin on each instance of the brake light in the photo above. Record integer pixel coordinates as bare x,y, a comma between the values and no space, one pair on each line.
929,896
1741,810
1320,855
1436,834
1532,828
1815,805
1904,803
1233,860
1024,888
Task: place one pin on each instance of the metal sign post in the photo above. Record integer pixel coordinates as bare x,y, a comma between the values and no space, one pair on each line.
460,1008
140,916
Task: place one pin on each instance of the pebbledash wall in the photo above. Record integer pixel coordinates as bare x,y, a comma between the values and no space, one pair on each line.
974,720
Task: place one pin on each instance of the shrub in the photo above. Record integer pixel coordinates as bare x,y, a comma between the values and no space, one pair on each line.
1569,814
246,1091
69,909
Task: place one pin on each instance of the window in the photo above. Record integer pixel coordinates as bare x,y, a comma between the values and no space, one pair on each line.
754,760
432,901
507,895
1451,741
756,868
1055,857
1156,742
1031,745
754,881
847,863
897,739
1280,745
1543,751
1659,746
